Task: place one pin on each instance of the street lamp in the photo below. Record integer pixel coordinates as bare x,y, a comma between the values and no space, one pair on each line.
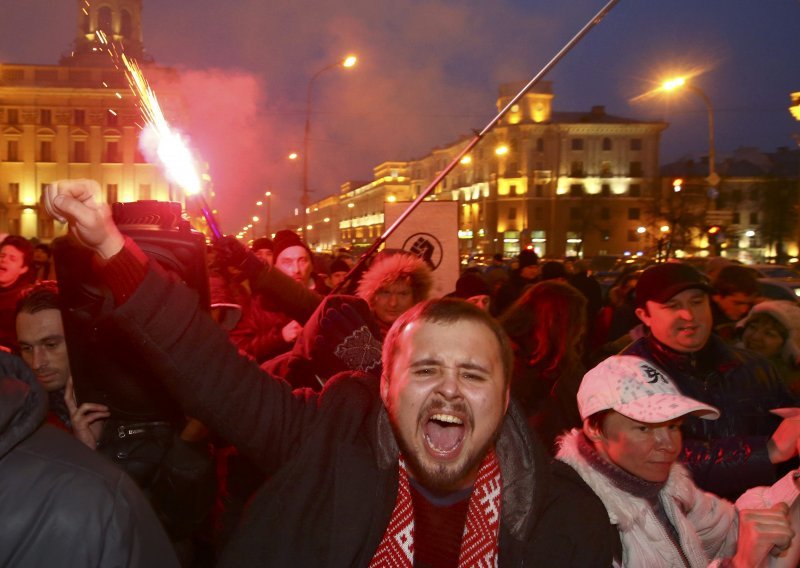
268,195
681,83
347,62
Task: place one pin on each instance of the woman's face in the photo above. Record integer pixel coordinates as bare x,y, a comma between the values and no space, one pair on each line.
764,335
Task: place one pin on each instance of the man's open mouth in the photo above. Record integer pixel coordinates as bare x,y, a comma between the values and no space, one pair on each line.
444,435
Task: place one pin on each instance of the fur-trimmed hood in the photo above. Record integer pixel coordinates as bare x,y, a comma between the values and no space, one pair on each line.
388,269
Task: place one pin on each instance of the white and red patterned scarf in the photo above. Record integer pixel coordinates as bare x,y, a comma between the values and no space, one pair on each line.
479,543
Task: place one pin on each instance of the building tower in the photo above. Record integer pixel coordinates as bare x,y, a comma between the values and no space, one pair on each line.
120,20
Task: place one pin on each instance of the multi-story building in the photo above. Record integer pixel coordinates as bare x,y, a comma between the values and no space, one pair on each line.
77,119
753,217
562,183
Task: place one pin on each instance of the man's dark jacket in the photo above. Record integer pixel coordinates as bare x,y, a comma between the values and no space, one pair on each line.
62,504
728,455
332,457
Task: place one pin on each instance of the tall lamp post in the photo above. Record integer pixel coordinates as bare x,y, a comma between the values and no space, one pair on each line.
268,195
347,62
713,178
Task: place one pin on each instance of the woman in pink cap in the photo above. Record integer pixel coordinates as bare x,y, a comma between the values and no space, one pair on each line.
627,452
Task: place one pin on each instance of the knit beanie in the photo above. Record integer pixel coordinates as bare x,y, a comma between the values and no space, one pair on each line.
338,265
285,239
787,313
471,284
528,258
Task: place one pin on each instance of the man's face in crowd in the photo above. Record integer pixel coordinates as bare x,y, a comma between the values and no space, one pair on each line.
735,306
12,265
683,322
42,346
296,263
481,300
762,334
390,302
335,278
264,255
644,450
446,396
530,272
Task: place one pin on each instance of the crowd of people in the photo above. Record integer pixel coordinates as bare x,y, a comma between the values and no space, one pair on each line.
345,418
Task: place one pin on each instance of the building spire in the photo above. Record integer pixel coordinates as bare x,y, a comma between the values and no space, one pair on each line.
121,20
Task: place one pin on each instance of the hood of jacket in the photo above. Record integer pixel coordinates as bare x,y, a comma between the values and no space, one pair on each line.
23,403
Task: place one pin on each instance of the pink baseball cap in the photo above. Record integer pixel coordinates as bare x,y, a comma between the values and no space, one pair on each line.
638,389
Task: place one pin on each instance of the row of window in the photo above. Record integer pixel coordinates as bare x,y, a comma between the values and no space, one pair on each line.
112,192
112,152
576,169
634,144
46,117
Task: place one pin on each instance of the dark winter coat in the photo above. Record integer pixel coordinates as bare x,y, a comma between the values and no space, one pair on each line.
333,458
60,503
728,455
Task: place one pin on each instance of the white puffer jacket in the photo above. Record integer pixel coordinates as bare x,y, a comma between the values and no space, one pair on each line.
707,525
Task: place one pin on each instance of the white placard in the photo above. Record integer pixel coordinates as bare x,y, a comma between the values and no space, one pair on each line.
431,229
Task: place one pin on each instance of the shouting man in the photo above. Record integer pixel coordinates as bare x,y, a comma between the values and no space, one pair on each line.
429,465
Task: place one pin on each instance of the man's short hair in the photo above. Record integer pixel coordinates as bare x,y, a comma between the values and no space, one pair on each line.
447,310
735,279
41,296
21,244
262,243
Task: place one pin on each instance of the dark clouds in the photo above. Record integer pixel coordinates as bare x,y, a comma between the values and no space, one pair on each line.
429,73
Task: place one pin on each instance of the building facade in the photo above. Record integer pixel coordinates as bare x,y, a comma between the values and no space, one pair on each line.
77,119
561,183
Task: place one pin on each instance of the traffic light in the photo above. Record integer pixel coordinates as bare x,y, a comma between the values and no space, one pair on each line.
677,185
713,230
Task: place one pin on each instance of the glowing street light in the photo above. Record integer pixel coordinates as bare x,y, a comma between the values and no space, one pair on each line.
501,150
346,63
676,83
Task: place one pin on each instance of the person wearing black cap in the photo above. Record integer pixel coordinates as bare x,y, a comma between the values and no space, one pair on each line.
526,274
263,248
738,451
472,287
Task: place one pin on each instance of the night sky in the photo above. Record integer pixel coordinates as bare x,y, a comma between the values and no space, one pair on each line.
429,72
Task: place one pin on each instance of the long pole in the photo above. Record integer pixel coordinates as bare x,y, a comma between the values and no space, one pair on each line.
596,19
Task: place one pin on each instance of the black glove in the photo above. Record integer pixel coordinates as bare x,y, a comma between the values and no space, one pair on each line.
351,336
231,253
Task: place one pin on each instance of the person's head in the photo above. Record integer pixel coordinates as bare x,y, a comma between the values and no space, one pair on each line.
337,271
672,300
41,253
394,283
554,270
472,287
735,291
263,249
632,413
292,256
16,254
497,259
445,385
548,323
40,335
772,329
528,264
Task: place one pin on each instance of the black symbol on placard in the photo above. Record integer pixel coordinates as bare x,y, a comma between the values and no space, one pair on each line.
427,247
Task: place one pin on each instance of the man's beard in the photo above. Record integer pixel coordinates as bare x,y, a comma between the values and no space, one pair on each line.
443,477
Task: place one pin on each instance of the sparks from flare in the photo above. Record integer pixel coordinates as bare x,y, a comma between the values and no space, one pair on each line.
170,147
